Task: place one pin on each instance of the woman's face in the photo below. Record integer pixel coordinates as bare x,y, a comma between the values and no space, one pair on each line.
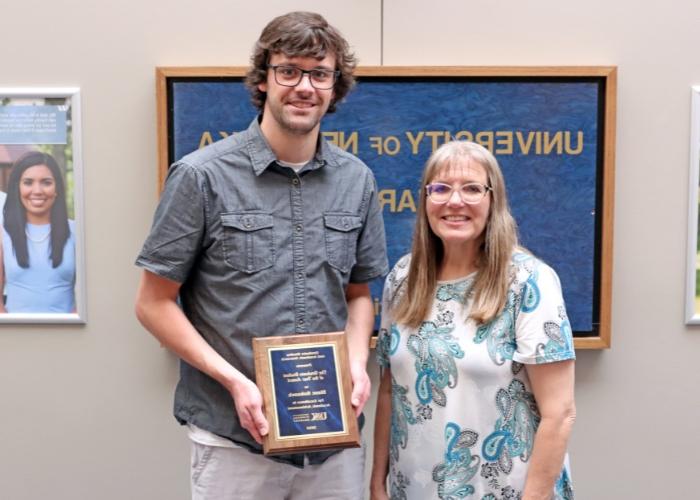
459,225
37,192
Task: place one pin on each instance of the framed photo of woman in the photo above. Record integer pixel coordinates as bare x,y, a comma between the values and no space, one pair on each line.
692,304
42,271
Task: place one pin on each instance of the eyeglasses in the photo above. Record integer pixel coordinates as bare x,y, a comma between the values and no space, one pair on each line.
470,193
290,76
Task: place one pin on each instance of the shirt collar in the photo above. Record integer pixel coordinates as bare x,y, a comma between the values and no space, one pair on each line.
261,155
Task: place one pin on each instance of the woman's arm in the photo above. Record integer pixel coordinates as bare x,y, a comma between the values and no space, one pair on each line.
382,433
2,277
553,388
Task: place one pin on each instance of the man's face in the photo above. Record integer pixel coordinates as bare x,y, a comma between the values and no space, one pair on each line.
296,110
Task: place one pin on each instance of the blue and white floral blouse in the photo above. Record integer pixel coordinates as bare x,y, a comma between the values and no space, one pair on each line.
463,415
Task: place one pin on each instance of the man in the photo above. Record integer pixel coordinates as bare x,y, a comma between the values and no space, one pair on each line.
272,231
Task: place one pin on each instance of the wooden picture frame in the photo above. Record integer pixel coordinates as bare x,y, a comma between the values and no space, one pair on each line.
306,386
551,128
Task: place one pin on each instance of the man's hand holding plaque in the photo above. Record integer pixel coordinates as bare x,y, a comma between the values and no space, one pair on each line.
306,385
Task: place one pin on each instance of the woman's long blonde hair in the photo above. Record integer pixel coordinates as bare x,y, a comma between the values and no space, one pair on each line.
499,241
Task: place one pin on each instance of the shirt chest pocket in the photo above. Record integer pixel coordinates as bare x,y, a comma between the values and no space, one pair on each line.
341,232
248,241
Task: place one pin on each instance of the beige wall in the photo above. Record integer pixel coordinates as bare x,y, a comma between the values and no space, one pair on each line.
86,409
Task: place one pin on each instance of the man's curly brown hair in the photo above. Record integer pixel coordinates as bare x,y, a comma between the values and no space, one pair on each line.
301,34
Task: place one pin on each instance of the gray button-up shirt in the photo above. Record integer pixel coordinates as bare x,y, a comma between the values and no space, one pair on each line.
260,250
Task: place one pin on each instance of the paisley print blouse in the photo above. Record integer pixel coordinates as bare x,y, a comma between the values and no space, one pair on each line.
463,414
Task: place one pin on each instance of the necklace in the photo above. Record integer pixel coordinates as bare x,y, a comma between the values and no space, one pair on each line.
38,240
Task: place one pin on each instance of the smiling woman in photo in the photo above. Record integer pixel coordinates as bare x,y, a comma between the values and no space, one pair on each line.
38,244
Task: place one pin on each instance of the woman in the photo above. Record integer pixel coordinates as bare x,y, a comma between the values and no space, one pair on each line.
38,246
476,395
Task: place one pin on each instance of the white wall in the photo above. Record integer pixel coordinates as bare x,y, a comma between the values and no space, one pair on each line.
86,409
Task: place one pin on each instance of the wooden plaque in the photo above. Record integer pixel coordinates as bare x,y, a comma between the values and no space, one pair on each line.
306,387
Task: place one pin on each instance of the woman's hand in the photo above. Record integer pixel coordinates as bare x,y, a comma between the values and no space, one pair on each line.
378,492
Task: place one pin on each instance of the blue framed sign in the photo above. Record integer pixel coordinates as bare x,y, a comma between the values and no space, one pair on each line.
551,129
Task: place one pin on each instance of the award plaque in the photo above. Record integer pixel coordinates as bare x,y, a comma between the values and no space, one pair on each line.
306,387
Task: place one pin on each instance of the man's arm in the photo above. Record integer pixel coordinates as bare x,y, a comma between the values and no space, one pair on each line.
158,312
358,331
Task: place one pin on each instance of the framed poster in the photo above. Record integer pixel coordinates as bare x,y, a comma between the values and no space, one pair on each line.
552,130
42,271
692,297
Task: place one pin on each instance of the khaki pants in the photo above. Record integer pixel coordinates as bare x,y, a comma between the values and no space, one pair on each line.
220,473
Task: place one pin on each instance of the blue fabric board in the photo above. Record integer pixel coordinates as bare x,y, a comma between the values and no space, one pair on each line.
552,196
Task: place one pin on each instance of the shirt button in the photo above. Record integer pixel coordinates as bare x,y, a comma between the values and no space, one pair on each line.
300,275
300,322
295,181
298,228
